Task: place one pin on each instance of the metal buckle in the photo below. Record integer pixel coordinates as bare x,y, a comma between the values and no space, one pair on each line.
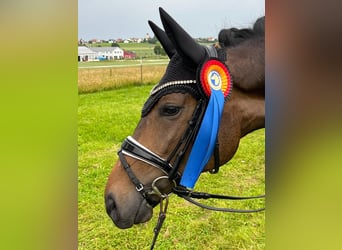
140,187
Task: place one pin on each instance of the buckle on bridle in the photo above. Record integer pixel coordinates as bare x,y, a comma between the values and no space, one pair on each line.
140,187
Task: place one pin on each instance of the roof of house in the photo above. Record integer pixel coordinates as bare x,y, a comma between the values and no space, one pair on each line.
105,49
83,50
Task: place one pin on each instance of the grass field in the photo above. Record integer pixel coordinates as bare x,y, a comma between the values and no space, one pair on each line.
104,120
97,79
122,63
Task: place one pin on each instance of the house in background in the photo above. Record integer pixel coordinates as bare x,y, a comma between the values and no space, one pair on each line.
129,55
86,55
108,53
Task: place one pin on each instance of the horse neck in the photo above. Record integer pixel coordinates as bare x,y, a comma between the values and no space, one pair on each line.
246,63
245,110
250,110
243,113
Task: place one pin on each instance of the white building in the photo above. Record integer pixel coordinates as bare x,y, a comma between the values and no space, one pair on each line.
86,55
108,53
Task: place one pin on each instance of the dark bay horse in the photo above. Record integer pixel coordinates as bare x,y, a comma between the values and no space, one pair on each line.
150,156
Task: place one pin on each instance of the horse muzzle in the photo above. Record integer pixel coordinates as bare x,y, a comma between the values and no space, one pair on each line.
125,215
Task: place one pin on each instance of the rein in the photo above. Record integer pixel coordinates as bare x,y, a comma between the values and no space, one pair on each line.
189,194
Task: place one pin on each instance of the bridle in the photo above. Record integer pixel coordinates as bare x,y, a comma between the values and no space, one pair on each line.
170,166
132,148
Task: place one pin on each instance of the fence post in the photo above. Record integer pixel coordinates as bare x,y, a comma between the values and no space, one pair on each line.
141,76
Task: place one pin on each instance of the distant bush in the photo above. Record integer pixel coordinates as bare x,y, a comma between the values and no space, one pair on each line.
158,50
152,40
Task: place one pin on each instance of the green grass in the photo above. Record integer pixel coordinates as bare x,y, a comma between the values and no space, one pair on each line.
104,120
142,49
124,63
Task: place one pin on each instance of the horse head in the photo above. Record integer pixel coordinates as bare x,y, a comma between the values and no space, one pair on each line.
152,161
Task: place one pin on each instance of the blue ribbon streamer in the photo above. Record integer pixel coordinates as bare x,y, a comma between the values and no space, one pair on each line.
205,141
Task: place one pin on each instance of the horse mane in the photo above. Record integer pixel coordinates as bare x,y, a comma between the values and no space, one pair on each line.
251,41
259,26
234,36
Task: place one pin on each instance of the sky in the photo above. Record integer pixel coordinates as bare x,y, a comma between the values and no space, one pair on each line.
110,19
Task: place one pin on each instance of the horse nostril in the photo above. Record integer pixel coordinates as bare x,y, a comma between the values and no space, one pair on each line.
110,204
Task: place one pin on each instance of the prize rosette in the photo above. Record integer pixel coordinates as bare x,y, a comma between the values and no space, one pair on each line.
215,75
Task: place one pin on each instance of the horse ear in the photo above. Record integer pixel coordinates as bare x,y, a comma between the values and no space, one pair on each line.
163,39
185,45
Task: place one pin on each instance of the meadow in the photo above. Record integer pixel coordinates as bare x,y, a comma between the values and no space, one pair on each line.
113,76
105,118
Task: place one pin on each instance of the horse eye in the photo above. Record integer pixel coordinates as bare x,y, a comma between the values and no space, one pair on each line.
169,110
